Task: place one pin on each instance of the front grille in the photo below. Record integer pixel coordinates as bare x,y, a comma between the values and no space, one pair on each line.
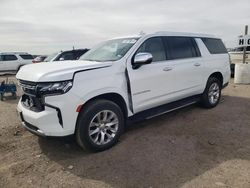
30,99
33,103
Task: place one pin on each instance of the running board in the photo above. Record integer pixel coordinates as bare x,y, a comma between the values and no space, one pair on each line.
163,109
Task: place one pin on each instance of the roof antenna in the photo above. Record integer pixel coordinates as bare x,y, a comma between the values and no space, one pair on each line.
73,48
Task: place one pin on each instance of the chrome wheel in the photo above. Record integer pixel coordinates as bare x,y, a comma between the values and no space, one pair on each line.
214,93
103,127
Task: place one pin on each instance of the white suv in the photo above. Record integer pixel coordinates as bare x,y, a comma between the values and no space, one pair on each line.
14,61
124,78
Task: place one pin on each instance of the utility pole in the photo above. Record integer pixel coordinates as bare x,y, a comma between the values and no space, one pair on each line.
245,48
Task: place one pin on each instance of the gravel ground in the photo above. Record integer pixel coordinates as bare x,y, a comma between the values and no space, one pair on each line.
191,147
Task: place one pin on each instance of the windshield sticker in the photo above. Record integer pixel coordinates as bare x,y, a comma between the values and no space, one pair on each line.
129,41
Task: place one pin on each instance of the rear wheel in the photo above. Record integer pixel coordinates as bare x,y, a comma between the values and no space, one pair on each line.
99,125
211,96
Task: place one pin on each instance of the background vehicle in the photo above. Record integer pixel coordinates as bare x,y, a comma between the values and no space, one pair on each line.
236,56
39,59
66,55
134,77
14,60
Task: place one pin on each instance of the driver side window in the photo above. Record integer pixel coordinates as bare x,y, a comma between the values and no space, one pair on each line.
154,46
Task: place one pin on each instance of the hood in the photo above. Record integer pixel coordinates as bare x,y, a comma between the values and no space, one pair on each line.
56,71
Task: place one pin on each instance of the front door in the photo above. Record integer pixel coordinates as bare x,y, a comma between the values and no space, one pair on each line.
148,82
9,63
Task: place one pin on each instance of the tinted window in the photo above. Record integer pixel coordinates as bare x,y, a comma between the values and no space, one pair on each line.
214,46
79,53
155,47
181,47
9,57
1,58
67,56
27,56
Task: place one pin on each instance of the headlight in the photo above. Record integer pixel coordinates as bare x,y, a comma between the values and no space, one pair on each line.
54,88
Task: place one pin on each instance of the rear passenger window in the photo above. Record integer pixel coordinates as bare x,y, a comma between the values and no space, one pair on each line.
181,47
9,57
27,56
214,46
154,46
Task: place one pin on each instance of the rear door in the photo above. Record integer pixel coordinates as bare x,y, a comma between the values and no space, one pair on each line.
26,58
185,61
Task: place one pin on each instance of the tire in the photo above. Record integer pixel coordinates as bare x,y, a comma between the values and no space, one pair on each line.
14,95
92,120
212,93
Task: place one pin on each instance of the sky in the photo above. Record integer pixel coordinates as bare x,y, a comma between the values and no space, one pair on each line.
48,26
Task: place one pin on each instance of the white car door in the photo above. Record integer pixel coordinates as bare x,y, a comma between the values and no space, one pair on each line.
148,81
166,79
185,62
10,62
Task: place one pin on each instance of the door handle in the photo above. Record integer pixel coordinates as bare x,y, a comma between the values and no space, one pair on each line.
197,64
167,69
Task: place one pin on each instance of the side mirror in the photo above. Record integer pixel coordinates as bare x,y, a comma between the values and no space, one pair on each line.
61,59
142,59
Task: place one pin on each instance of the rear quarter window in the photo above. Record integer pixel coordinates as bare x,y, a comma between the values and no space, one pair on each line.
26,56
214,46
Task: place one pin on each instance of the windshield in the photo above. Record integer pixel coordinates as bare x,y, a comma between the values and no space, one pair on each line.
111,50
50,57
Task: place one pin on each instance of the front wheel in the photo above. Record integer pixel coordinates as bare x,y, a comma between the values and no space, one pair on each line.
211,96
99,125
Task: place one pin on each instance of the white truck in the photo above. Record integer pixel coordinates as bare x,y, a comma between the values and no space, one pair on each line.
128,78
13,61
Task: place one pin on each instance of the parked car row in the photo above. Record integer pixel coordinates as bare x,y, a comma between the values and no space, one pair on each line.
13,61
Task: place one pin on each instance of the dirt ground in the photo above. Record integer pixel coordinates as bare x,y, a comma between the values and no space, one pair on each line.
191,147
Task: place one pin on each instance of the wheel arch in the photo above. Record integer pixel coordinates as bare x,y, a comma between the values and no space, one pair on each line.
217,75
114,97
